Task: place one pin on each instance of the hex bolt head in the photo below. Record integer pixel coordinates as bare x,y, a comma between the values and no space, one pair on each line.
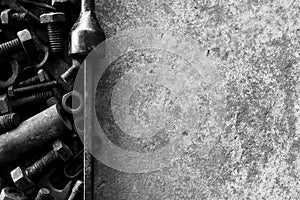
5,15
62,150
10,193
43,76
20,179
52,17
26,41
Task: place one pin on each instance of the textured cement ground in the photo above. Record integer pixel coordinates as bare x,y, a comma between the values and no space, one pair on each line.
256,46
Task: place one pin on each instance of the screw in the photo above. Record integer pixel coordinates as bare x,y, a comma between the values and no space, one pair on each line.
23,178
77,191
43,194
30,89
9,121
55,31
36,98
24,42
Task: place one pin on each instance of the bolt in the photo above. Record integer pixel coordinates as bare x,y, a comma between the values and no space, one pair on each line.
23,179
77,191
7,105
9,17
30,89
10,193
43,194
41,76
55,31
71,73
24,42
9,121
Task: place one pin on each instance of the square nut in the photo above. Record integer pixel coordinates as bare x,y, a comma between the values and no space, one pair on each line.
20,179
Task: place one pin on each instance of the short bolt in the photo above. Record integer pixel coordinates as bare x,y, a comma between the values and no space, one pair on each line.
24,91
9,121
43,194
24,42
24,179
71,73
54,21
41,77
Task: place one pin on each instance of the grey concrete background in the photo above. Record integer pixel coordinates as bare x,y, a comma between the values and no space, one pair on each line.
256,46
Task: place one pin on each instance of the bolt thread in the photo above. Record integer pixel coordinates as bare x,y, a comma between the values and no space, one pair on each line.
30,81
43,194
77,191
36,98
40,166
70,73
34,88
9,121
56,37
10,47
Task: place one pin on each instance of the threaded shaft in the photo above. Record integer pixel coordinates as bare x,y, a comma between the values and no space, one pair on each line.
77,191
43,194
30,81
56,37
10,47
70,73
9,121
37,168
34,88
39,97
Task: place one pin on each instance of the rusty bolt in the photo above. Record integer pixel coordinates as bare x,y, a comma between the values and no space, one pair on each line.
27,90
10,193
24,42
43,194
9,121
7,105
55,31
41,76
23,178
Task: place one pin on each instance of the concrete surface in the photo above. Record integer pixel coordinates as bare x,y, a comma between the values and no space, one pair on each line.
256,156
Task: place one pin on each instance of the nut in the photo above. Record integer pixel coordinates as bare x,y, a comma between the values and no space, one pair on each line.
20,179
52,17
26,41
62,150
10,193
4,105
5,15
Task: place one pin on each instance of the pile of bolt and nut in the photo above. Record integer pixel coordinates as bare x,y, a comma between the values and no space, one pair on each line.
41,155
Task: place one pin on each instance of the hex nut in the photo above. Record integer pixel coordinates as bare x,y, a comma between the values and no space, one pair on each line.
26,41
62,150
52,17
20,179
4,105
10,193
43,76
5,15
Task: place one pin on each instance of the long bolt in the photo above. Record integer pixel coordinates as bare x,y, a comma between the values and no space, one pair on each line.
31,89
9,121
36,98
30,81
55,30
77,191
43,194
